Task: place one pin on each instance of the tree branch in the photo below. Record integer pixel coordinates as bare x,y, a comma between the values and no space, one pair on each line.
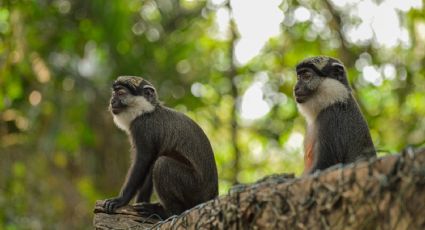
388,193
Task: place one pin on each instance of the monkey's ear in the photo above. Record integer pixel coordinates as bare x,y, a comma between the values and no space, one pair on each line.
337,70
149,91
338,66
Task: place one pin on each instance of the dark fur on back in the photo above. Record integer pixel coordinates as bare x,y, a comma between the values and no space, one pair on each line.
174,136
343,135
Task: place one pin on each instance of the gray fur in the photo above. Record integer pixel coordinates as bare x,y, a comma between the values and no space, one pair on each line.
342,136
336,128
184,172
170,151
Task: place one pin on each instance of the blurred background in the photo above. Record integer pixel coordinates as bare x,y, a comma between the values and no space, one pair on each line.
227,65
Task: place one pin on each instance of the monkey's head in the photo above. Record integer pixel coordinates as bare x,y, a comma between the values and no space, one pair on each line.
317,73
321,82
131,97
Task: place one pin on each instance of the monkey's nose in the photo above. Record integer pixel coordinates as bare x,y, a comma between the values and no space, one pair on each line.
115,102
297,89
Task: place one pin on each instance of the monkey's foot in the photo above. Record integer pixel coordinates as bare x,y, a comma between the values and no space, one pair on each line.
151,210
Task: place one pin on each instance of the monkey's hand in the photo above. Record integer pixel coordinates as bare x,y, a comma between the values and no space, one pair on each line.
111,204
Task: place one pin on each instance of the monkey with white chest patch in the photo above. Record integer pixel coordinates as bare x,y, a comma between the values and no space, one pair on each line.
171,153
336,129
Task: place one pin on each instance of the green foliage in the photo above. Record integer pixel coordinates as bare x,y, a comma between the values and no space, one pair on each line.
60,151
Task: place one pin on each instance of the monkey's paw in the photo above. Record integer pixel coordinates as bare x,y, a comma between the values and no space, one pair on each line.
114,203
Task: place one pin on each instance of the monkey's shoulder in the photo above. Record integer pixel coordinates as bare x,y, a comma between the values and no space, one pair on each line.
345,117
340,110
171,114
166,118
343,122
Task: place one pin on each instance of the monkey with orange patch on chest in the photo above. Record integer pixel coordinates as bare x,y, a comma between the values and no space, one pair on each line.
337,132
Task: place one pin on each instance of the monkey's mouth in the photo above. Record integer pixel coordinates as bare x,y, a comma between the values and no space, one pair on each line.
116,109
299,98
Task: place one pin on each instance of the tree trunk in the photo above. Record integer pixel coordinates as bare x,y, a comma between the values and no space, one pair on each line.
384,193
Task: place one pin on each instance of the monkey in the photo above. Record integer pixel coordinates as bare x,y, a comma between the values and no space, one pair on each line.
337,132
171,154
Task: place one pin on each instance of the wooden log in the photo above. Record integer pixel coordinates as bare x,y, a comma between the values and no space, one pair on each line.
384,193
124,218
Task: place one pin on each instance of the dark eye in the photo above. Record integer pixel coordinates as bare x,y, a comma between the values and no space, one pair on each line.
305,76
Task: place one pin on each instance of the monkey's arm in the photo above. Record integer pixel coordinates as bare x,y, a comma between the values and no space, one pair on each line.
145,191
136,175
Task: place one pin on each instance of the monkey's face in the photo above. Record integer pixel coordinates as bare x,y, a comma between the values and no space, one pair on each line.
131,97
307,83
121,99
131,93
134,96
311,72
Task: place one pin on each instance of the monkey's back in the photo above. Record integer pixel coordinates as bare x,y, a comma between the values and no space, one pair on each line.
176,134
344,131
